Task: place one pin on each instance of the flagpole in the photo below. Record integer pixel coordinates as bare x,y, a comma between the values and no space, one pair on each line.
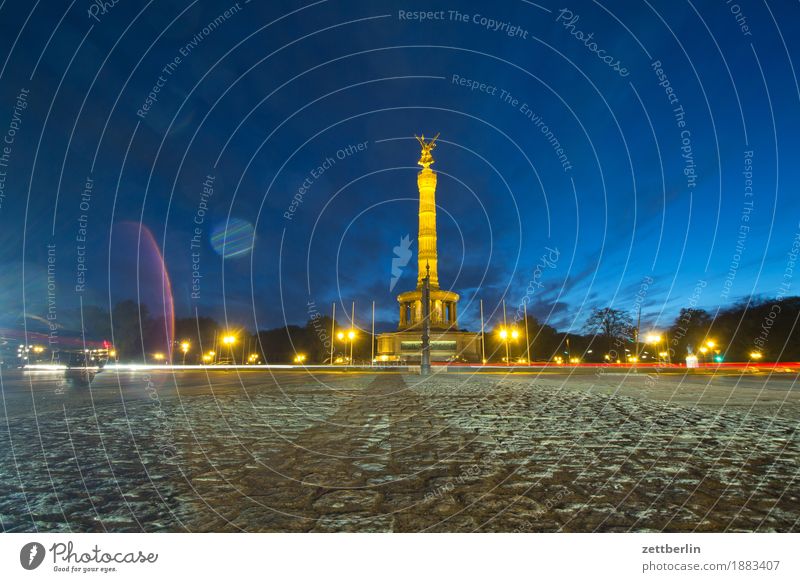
527,341
333,329
483,338
505,327
353,324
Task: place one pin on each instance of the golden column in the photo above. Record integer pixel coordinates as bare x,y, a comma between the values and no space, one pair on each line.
442,303
426,241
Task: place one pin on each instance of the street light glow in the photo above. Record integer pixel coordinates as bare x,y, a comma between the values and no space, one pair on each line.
503,334
229,339
185,347
652,338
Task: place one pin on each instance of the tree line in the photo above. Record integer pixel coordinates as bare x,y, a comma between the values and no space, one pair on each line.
766,327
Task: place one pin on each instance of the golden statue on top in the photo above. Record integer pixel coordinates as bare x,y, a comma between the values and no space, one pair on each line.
426,159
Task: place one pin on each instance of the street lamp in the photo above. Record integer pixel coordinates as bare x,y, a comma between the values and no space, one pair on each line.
229,340
508,336
345,337
299,358
184,348
158,356
656,339
351,336
756,355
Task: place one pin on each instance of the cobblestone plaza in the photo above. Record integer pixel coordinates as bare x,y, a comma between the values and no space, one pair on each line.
368,451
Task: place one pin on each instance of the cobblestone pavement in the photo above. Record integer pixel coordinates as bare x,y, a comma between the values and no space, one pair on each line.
390,452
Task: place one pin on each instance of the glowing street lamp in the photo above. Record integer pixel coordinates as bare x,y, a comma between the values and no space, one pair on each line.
185,348
229,340
158,356
507,336
756,355
299,358
656,339
349,336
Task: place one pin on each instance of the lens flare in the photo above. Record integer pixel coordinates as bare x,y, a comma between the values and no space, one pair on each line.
232,239
135,250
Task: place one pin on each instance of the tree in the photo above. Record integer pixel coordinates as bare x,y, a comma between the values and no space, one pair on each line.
613,325
689,330
544,339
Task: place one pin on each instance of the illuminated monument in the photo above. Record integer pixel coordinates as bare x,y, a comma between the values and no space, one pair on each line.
447,343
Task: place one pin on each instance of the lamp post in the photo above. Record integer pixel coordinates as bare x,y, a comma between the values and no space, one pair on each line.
346,337
425,360
185,348
229,340
508,335
655,339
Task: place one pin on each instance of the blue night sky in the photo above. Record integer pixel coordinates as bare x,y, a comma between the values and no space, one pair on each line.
654,162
